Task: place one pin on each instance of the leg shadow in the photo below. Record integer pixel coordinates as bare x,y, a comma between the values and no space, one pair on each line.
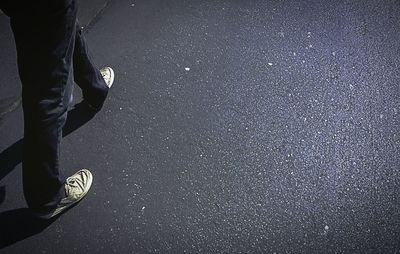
19,224
77,117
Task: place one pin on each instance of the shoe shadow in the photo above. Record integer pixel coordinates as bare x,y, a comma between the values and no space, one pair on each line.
19,224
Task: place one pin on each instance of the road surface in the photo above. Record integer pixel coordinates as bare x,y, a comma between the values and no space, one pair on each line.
233,127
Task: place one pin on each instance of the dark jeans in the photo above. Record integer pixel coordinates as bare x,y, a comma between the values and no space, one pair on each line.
52,53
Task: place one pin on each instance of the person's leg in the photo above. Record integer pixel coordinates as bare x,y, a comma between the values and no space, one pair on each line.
45,38
86,74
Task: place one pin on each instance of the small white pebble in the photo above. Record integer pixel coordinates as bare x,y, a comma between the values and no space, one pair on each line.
270,64
187,69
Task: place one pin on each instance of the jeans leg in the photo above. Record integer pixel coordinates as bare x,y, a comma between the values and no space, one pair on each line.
45,42
86,75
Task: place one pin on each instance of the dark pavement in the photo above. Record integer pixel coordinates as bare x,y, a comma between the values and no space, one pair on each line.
233,127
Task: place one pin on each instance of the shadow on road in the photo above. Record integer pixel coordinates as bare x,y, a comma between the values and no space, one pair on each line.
19,224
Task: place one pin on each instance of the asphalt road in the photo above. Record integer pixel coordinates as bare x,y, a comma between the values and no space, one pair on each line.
233,127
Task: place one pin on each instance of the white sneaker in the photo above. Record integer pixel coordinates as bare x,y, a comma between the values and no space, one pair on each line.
108,75
76,187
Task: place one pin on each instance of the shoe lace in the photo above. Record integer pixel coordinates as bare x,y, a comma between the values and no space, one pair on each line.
104,73
75,186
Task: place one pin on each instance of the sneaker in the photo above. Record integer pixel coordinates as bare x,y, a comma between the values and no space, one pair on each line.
76,187
108,75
